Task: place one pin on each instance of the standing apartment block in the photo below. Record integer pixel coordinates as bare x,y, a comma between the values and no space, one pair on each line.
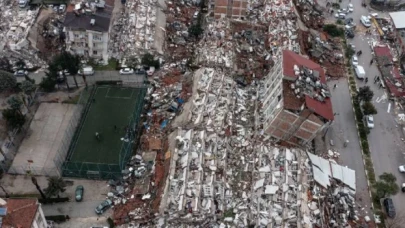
296,105
87,27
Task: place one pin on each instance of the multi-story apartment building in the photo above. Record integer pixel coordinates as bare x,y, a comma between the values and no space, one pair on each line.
22,213
87,28
296,104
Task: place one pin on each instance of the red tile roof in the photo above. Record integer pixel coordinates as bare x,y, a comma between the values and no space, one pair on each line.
20,213
290,59
382,51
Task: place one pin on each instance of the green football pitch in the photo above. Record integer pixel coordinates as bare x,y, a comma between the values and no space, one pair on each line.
110,111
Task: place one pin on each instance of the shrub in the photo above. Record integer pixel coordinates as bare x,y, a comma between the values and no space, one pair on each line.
333,30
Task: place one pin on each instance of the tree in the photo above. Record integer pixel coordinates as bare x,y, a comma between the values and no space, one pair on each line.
6,65
365,94
195,30
14,118
15,103
48,83
70,63
333,30
7,81
56,185
27,87
35,182
386,186
149,60
369,109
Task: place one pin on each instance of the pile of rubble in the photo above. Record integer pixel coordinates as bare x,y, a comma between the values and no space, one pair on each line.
15,26
311,13
138,29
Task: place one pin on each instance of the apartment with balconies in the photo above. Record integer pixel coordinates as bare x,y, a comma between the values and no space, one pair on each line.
87,27
296,104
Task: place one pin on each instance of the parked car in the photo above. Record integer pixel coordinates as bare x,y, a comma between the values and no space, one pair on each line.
349,33
196,14
365,21
401,168
369,121
389,207
403,187
350,8
79,193
127,71
103,206
355,60
21,73
360,72
62,8
87,70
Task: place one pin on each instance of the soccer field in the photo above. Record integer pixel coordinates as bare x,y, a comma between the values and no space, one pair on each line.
110,113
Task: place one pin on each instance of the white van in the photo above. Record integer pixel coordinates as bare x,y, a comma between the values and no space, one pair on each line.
365,21
87,70
360,72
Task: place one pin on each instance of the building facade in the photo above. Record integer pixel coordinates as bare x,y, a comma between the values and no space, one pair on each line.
296,105
398,20
87,29
22,213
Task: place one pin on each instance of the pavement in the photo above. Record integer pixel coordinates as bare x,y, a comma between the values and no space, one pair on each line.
386,139
98,76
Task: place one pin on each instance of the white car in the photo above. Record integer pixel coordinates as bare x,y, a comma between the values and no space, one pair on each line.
127,71
365,21
20,73
402,168
370,121
350,8
355,60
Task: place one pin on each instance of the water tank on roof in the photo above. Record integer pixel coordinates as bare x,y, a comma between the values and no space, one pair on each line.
292,86
296,68
318,83
297,72
307,80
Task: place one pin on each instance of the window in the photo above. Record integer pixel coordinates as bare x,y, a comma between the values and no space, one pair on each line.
96,37
94,52
76,35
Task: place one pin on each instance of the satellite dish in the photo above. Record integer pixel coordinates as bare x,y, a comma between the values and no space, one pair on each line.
2,202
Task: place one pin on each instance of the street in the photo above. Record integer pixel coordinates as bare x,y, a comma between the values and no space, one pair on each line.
385,139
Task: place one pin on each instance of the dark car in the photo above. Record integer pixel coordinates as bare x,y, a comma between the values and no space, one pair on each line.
20,73
103,206
389,207
79,193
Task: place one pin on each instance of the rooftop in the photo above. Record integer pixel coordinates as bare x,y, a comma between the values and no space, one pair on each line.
91,15
398,18
20,213
305,80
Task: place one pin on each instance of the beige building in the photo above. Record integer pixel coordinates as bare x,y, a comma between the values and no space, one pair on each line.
87,29
296,105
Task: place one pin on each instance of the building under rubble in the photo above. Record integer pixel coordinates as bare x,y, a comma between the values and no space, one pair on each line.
296,104
228,8
87,26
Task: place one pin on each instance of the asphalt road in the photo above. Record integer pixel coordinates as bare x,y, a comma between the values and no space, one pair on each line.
74,209
385,139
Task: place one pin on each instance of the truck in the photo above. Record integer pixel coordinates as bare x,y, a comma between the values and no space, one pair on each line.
360,72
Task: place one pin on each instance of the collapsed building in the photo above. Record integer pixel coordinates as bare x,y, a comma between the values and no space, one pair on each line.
296,100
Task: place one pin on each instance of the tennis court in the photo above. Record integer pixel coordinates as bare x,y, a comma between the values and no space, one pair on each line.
110,111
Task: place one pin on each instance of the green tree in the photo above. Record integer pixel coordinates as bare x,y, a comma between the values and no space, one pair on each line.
6,65
386,186
365,94
27,87
35,182
7,81
333,30
149,60
195,30
14,118
15,103
56,185
369,109
48,83
70,63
